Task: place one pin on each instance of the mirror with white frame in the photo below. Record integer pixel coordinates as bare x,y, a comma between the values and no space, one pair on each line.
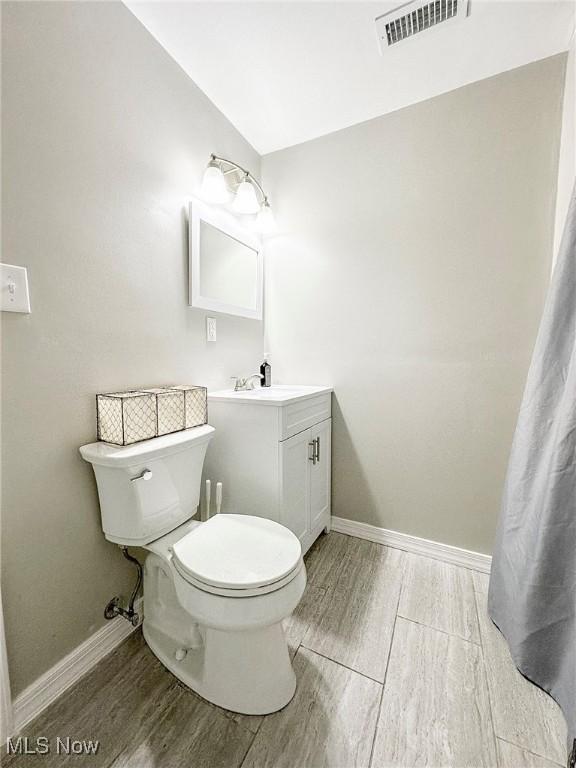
226,263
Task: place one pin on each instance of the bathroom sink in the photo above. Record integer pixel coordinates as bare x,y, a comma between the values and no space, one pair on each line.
277,394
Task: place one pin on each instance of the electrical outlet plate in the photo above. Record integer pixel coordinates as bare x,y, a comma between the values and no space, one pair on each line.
14,286
210,329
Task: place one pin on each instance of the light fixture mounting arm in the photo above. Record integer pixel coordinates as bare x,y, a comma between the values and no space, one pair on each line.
233,167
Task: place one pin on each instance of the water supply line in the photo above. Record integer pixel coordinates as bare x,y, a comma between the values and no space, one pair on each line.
114,608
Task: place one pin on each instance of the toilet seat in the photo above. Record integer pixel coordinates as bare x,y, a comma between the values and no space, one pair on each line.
232,592
238,556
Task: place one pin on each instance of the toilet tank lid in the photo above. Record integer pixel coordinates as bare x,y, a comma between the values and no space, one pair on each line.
107,455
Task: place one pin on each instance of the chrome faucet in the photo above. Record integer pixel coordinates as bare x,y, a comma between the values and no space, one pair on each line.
242,384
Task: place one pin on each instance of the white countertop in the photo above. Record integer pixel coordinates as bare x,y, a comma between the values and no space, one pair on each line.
277,394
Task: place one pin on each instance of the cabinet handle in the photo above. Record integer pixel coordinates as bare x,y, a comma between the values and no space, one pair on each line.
313,457
318,450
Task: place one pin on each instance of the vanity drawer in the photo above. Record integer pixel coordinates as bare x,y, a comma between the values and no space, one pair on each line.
298,416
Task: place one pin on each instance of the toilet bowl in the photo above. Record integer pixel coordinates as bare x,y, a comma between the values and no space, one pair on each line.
215,622
215,593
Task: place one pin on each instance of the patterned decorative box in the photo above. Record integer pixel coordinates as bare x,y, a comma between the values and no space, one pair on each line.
195,404
129,417
169,410
126,417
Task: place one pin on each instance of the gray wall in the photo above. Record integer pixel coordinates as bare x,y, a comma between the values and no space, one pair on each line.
567,160
409,272
104,140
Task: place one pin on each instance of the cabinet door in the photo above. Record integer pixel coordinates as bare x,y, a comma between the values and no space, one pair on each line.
320,474
295,458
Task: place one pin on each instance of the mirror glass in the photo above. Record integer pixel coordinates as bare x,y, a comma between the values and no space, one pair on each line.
226,263
228,268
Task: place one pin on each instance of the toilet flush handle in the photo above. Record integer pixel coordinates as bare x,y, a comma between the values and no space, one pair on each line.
146,475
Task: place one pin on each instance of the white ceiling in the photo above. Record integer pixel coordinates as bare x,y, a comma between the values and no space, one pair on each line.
286,72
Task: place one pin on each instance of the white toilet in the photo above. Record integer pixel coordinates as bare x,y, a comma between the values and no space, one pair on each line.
215,593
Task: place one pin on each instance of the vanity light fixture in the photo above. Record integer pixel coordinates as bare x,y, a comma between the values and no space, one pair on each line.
245,200
214,187
265,221
224,178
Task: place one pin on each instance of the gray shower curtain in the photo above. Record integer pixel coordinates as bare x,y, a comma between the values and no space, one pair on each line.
532,598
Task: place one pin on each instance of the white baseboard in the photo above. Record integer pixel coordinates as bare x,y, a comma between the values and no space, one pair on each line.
43,691
445,552
6,722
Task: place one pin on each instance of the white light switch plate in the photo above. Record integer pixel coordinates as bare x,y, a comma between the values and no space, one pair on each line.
210,329
14,285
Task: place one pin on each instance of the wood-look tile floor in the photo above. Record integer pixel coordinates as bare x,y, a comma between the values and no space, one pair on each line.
397,663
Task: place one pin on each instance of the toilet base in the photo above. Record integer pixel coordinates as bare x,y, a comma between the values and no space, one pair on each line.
247,671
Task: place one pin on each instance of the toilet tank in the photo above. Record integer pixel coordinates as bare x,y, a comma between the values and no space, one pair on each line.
147,489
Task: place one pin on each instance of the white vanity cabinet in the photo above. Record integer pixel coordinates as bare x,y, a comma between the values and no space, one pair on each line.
272,452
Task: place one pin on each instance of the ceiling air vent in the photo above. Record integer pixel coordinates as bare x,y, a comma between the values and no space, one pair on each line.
410,19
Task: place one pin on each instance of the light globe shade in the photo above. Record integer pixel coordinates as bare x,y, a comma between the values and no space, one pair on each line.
246,200
214,187
265,221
